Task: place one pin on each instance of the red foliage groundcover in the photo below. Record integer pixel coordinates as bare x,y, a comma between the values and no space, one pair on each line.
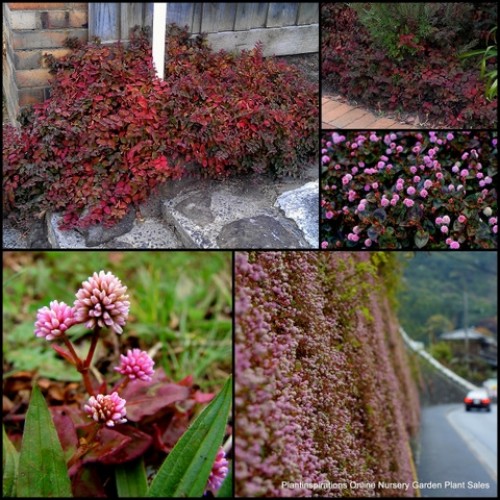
112,131
430,80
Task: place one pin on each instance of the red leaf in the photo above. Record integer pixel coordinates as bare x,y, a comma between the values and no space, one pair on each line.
111,442
66,355
147,398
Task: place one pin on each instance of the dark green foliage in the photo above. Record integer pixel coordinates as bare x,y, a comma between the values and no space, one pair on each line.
435,283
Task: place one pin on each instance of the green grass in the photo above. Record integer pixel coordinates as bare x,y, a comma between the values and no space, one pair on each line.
181,304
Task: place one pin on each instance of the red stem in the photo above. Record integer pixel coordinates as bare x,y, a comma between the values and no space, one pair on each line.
69,345
93,345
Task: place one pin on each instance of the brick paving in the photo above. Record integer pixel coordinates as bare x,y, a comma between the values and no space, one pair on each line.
336,115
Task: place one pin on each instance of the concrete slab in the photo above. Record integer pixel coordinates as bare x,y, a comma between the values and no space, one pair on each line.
149,233
12,238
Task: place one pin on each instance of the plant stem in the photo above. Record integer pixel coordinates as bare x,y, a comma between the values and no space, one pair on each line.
83,368
93,345
84,448
71,349
121,385
86,380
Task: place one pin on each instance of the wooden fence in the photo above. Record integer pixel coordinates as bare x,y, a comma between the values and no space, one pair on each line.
283,27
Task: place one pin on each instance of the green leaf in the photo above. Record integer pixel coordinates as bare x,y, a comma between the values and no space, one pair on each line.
226,490
131,479
42,468
421,238
10,465
185,471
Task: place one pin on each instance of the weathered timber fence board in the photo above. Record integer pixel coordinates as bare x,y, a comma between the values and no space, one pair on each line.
227,25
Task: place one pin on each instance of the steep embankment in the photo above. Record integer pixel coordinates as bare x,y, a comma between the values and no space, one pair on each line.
323,388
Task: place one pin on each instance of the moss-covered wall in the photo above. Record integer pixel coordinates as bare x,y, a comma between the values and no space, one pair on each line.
323,385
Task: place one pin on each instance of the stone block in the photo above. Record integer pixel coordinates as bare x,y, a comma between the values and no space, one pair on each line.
78,18
33,78
98,234
35,6
44,39
258,232
302,206
31,96
23,20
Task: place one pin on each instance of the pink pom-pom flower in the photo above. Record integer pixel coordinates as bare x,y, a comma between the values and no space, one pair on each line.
136,365
219,472
102,301
107,409
54,321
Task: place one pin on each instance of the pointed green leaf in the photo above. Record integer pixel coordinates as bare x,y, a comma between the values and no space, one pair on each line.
185,471
42,469
10,464
226,489
131,479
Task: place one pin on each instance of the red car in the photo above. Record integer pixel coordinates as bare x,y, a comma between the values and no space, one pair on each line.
477,399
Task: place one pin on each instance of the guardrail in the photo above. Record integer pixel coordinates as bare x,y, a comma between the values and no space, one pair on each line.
418,347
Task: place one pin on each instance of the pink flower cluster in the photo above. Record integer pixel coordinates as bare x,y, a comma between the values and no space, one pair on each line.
54,321
109,409
395,186
102,301
318,360
136,364
219,472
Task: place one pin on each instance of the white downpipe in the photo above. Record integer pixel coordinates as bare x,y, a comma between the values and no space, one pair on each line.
159,24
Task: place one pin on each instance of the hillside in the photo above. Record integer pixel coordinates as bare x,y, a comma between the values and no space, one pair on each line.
324,393
434,284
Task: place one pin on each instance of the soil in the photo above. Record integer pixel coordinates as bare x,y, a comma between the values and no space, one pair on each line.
307,63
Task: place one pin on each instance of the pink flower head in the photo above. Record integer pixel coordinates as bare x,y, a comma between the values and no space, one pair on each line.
54,321
329,214
462,219
337,138
324,244
219,471
411,190
454,245
109,409
444,229
446,220
423,193
409,203
136,364
102,301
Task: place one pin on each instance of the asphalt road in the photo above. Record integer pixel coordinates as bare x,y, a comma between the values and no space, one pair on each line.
458,452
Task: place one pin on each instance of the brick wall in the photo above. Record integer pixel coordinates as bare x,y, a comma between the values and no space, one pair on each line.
31,30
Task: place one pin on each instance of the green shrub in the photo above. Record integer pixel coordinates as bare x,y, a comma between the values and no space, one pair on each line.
441,351
488,70
403,29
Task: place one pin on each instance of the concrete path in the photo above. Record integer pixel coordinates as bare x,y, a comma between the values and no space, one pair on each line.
339,115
